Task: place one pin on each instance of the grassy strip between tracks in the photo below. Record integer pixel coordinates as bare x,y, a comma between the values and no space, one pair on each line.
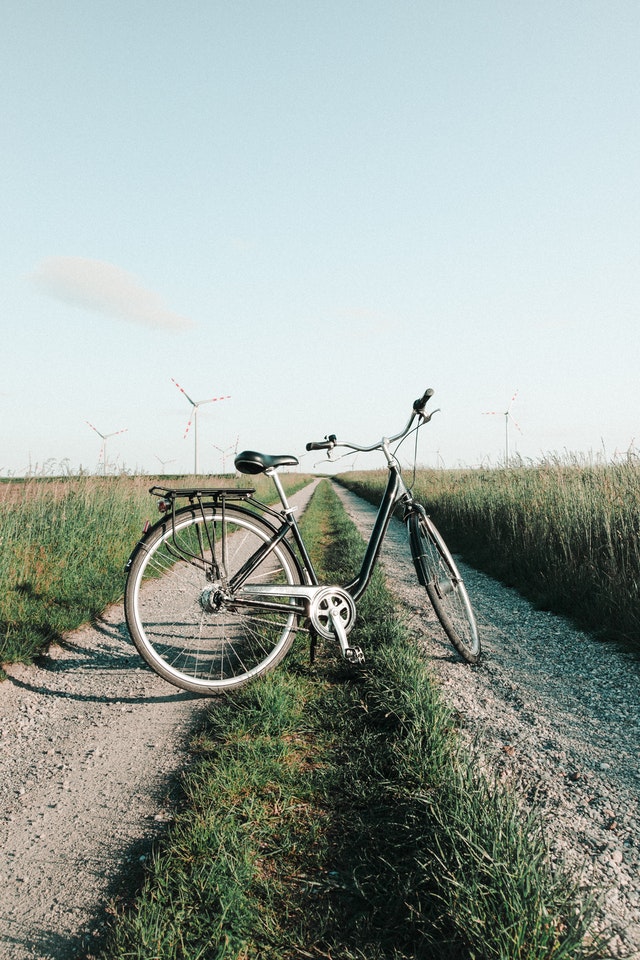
331,814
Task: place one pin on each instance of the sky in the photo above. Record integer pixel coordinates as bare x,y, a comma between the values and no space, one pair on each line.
317,209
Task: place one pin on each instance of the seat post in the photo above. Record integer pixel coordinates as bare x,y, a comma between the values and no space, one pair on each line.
273,473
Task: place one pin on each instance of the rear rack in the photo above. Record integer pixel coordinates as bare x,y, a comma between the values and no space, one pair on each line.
199,498
200,493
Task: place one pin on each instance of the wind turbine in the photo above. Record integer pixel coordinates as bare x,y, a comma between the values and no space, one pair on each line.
163,462
103,448
507,416
233,447
196,404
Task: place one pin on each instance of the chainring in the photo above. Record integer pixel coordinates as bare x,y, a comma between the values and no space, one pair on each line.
330,603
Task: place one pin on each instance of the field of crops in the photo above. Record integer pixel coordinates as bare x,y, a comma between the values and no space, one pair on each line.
566,535
63,546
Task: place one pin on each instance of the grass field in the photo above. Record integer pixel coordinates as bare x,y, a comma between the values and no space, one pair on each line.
331,814
63,546
566,535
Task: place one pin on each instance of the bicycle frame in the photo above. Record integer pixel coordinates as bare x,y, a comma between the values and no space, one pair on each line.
395,493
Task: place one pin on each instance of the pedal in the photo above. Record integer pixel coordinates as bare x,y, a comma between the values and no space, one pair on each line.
354,655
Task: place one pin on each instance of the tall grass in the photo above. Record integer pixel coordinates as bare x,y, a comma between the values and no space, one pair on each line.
566,534
63,546
330,814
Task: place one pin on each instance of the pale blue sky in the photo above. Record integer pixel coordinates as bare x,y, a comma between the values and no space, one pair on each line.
320,209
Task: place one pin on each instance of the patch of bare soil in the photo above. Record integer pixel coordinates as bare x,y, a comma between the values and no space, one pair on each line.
90,744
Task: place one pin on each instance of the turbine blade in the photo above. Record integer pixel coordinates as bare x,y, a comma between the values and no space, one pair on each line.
95,428
182,390
211,400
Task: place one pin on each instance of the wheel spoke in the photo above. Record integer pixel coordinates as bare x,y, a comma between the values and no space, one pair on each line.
195,641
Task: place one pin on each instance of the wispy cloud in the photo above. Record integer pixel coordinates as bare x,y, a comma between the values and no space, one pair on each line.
105,288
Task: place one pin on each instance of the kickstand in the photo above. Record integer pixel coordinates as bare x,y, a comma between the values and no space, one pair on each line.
313,642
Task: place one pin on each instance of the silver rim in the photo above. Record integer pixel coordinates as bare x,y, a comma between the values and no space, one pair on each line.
180,620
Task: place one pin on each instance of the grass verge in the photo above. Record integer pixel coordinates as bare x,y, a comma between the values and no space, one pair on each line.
331,814
63,546
566,535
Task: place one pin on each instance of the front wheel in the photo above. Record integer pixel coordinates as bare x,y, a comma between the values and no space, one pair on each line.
437,572
179,599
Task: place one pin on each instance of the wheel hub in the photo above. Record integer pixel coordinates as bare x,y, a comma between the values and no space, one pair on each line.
213,598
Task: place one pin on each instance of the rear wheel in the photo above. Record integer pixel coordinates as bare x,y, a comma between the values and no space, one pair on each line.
179,599
437,572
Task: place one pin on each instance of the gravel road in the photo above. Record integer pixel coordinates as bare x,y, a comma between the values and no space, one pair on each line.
553,709
91,743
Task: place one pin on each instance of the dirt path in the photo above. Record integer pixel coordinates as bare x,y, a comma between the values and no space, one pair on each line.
555,710
91,743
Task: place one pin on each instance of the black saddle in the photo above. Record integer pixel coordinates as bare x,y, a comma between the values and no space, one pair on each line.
249,461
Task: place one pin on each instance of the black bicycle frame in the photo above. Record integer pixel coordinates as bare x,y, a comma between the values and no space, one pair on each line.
359,584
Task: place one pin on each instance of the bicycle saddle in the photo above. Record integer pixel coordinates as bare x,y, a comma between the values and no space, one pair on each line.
249,461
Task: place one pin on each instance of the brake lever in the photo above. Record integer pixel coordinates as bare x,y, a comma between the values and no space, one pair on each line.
427,416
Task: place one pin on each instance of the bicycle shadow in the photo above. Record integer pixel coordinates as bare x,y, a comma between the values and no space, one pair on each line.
81,658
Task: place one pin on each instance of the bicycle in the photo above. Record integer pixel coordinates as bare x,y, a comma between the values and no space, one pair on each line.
217,589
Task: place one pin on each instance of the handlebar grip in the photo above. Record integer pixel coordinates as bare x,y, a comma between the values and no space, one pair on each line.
327,444
421,402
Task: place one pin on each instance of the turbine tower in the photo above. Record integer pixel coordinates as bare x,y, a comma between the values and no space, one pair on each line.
195,404
103,446
507,416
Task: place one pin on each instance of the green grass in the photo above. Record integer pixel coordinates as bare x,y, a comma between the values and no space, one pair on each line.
63,546
328,813
566,535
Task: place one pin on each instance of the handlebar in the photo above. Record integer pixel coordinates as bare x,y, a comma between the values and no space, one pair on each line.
331,441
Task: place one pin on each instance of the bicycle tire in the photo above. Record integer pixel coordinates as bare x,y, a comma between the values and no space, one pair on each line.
438,573
168,608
